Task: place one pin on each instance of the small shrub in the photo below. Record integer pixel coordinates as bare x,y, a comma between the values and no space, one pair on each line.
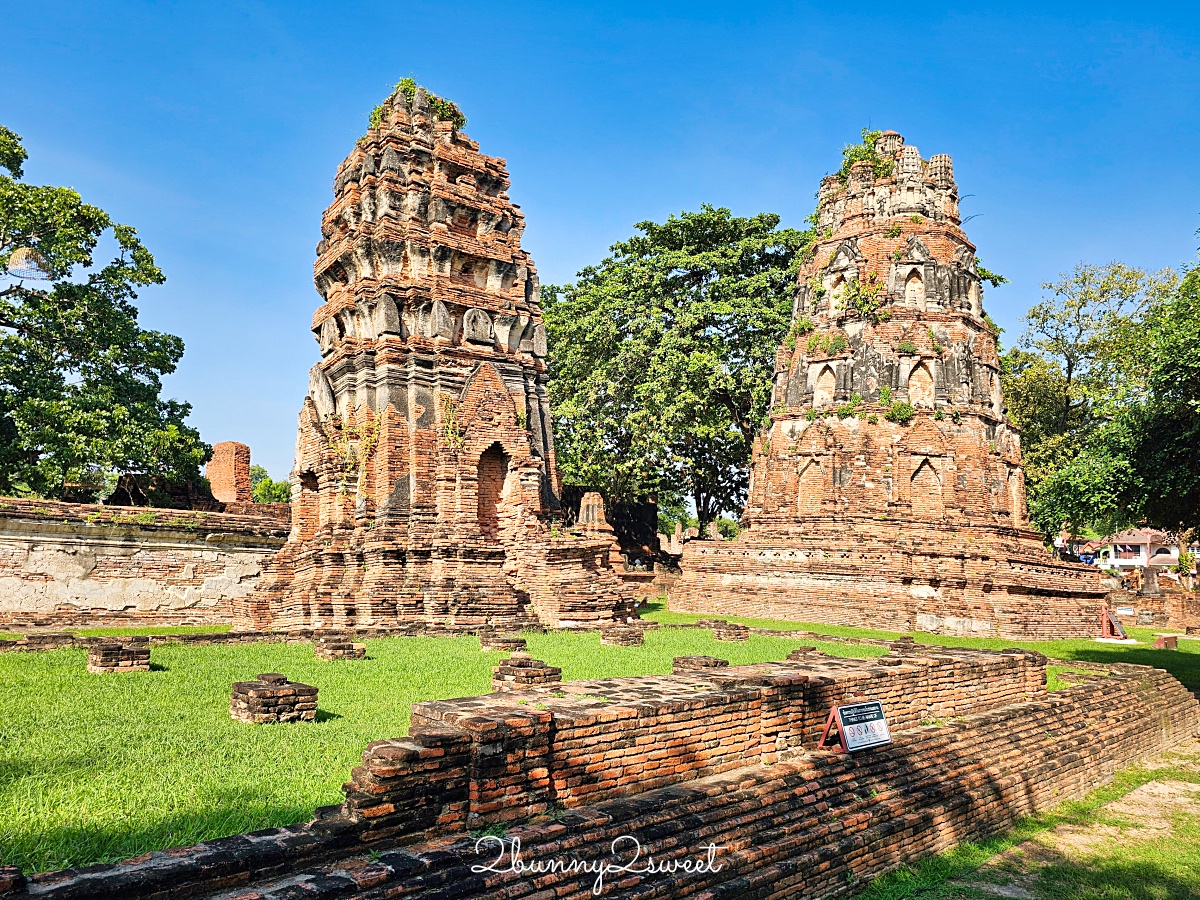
885,394
956,417
893,232
916,220
811,415
939,415
801,326
846,410
907,347
872,419
900,412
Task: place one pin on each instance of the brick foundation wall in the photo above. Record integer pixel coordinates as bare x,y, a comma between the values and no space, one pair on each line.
68,564
719,755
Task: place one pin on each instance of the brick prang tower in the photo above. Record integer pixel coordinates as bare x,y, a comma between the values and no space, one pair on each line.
888,489
425,479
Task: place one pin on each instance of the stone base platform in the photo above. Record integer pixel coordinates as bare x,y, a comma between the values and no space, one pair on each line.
939,578
272,698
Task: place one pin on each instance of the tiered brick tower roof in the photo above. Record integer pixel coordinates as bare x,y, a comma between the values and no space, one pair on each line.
425,469
888,489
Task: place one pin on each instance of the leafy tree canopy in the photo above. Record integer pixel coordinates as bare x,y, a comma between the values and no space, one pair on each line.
80,381
1105,388
264,490
663,356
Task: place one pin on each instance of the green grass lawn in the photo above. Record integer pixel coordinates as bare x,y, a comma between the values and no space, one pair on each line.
103,767
96,767
1183,663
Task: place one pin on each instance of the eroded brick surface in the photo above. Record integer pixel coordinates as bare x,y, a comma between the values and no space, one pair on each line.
854,519
425,461
76,564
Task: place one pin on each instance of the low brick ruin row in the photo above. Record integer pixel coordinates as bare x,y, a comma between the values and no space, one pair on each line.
270,699
622,636
568,767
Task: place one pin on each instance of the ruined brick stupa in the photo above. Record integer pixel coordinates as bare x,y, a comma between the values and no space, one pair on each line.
425,479
888,491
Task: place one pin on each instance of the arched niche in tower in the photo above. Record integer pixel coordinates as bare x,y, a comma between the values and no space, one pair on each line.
823,386
810,486
914,289
492,475
836,292
925,491
920,386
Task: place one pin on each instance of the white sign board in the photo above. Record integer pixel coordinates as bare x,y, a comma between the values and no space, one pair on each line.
863,725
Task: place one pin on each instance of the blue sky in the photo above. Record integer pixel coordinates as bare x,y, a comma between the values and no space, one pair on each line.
215,130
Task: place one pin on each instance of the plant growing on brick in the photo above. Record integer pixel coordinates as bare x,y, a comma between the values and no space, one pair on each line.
900,412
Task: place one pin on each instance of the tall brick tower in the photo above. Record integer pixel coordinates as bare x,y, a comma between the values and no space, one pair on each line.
425,478
888,489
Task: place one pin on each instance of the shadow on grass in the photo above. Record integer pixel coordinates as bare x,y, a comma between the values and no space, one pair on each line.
326,716
158,667
65,846
1139,880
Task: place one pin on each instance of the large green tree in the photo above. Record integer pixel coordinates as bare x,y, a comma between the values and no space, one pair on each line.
80,381
1071,373
1108,399
663,356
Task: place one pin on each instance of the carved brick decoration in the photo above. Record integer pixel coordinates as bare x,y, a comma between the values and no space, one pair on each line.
228,472
425,477
272,698
104,659
856,516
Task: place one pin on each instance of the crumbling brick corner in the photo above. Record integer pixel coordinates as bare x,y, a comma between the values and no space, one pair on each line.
228,472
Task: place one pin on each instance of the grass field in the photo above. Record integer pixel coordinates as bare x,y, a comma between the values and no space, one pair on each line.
103,767
96,768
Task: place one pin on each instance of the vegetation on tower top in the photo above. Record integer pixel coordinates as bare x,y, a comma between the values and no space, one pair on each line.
865,152
442,108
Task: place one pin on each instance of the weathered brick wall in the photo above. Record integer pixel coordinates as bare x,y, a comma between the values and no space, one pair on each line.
790,821
67,564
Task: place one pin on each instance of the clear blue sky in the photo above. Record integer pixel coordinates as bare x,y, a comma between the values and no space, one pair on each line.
215,130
